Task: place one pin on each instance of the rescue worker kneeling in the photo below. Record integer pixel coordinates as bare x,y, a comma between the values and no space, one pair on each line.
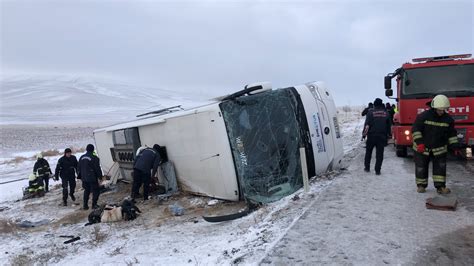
35,187
433,131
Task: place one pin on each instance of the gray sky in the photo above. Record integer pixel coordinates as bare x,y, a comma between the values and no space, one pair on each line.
218,47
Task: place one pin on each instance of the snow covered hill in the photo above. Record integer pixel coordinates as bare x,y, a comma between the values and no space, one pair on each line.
75,100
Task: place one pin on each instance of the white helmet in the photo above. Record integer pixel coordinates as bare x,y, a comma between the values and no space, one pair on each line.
39,155
32,177
140,150
440,102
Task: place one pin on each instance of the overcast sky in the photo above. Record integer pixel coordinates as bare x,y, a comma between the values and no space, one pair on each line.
219,46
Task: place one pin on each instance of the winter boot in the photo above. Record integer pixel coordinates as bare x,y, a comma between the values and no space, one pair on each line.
421,190
73,198
366,169
85,208
443,190
377,172
64,203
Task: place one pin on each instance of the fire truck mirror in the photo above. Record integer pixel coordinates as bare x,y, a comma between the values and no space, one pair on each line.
388,82
389,93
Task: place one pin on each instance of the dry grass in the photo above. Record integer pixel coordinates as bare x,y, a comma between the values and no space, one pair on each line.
7,227
47,153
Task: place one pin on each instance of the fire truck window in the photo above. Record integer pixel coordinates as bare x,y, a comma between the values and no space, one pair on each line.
265,135
449,80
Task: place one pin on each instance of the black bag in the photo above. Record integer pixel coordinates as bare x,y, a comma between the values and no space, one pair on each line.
94,216
129,210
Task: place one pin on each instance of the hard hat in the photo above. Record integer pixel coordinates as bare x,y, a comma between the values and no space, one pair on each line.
39,155
32,177
140,150
440,102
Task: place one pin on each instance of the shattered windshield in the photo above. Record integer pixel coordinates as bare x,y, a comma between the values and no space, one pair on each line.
265,132
455,80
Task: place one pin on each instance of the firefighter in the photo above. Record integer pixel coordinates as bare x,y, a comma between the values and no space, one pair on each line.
433,131
376,128
90,173
144,168
66,169
35,186
42,170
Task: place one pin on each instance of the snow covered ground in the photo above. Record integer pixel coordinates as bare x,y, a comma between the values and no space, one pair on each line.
347,217
156,237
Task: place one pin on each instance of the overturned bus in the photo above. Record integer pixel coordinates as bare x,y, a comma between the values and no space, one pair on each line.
241,146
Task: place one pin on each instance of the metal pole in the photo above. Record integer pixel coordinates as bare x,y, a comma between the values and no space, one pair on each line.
304,169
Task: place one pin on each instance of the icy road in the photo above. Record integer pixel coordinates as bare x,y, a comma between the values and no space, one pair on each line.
364,219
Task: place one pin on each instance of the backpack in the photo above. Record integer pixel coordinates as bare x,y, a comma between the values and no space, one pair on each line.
94,216
129,210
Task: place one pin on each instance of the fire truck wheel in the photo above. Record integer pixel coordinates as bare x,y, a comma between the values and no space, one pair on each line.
401,151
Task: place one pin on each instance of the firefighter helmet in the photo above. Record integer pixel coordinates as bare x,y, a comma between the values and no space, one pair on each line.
39,155
440,102
32,177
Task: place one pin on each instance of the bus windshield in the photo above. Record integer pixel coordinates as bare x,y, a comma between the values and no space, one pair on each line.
265,132
455,80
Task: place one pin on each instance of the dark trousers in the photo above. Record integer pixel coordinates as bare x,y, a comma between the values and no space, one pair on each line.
439,169
378,143
91,187
140,178
46,183
68,182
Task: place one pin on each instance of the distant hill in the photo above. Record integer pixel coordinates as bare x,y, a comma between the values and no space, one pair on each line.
66,100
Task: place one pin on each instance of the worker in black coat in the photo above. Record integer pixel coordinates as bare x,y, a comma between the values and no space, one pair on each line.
370,106
66,169
89,172
144,168
42,170
377,128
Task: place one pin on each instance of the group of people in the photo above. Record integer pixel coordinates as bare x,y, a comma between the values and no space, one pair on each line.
89,171
433,133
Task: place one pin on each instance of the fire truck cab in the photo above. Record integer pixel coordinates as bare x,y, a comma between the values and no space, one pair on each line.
418,82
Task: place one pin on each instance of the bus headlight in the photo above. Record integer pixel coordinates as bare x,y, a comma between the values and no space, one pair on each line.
407,132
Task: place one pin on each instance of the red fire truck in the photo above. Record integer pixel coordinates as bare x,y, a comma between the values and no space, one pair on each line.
418,82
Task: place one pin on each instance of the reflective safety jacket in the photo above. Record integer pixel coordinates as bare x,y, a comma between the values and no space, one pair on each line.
35,184
41,168
436,132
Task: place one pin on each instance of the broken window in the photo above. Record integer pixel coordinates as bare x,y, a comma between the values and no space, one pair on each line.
265,132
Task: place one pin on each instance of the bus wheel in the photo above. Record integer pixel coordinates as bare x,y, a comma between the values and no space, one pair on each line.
401,151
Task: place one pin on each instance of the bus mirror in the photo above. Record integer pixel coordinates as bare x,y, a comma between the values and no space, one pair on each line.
389,93
388,82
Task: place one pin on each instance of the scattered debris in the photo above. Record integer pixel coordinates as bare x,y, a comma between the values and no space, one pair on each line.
212,202
29,224
443,203
176,209
72,240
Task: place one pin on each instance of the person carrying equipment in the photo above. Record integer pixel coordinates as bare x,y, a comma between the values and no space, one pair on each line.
432,132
